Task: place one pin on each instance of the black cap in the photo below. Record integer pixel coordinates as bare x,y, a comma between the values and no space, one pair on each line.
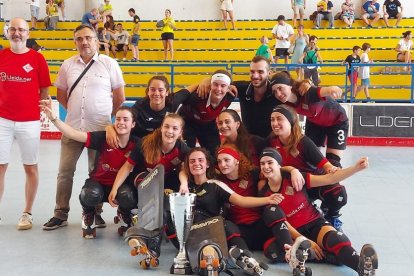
280,17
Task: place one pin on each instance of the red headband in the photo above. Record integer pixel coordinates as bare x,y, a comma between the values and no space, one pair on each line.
229,151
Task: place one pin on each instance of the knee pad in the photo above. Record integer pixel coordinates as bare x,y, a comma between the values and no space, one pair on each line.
231,229
334,159
273,214
127,197
91,194
334,241
333,197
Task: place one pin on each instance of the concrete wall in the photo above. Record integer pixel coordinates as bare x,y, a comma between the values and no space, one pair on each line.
186,9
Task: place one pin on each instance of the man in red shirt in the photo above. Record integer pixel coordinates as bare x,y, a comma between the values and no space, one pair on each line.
24,80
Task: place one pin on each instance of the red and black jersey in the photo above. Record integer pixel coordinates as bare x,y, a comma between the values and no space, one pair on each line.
108,160
211,197
171,160
196,109
321,111
243,187
296,205
309,159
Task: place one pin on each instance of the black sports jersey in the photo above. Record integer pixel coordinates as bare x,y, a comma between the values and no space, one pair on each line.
211,197
148,120
352,60
392,7
256,115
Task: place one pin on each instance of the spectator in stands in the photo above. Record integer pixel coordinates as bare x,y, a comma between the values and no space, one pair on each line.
52,15
282,32
31,43
404,49
353,74
311,56
104,40
390,9
135,34
61,5
89,107
348,13
34,12
105,9
298,7
167,35
121,37
227,8
264,49
300,40
324,9
364,71
25,80
370,10
91,18
110,24
5,30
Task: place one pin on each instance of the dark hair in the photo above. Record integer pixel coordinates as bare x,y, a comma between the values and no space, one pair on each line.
210,170
119,24
405,34
355,48
131,10
130,109
84,26
258,59
100,30
168,10
170,96
366,46
280,17
312,37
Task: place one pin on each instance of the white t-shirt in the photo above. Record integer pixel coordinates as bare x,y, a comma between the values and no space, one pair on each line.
405,46
35,3
364,70
282,31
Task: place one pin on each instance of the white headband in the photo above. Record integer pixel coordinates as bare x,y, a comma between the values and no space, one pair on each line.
221,77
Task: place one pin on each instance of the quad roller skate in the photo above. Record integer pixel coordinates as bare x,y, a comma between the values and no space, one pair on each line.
145,243
210,260
88,225
368,261
244,259
297,255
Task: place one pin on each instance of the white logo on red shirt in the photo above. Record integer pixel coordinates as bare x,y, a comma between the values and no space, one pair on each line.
5,77
27,68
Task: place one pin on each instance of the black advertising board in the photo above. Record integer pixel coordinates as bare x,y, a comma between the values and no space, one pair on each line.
383,120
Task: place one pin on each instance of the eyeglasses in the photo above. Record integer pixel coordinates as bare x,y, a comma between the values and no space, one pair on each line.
13,30
87,38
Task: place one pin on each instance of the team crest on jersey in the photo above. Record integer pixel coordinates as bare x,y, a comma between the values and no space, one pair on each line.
305,106
128,154
289,190
27,68
243,184
202,192
176,161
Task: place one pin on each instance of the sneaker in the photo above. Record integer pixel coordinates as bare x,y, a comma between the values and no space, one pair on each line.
124,220
25,221
134,60
99,221
124,59
54,223
88,225
368,261
316,27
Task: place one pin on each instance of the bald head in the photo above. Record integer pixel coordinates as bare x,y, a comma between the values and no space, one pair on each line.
18,33
19,22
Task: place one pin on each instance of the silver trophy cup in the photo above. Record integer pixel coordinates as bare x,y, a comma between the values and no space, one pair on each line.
182,213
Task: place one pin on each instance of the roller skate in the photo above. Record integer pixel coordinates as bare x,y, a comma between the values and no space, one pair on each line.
210,260
244,259
124,220
368,261
88,225
297,255
146,243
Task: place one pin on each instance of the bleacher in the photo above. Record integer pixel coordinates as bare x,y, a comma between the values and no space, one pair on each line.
204,46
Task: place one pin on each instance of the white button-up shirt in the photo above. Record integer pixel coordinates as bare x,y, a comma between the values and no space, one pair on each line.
90,105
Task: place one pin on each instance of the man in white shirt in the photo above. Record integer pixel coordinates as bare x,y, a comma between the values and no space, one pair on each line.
93,100
282,33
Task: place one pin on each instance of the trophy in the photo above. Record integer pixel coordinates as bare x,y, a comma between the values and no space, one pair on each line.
182,207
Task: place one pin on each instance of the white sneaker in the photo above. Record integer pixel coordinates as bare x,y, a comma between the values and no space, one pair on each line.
25,222
124,59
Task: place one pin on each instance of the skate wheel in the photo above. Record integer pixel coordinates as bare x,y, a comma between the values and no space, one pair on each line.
134,252
144,264
264,266
203,264
296,272
215,263
154,262
308,271
142,250
133,243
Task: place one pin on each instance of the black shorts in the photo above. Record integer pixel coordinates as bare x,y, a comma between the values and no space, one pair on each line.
312,229
392,15
335,136
101,47
282,52
119,47
167,36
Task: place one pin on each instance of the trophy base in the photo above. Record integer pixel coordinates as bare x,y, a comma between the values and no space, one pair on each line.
181,269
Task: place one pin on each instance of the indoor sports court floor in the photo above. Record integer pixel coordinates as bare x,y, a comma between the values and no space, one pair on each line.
379,211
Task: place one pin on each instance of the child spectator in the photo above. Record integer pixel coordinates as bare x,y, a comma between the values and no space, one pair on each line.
348,13
121,37
404,49
104,40
298,7
324,9
264,49
353,74
364,71
282,33
135,34
370,11
390,9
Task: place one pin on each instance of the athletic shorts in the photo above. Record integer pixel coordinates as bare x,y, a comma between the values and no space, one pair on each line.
34,11
393,15
370,15
299,9
120,47
226,5
167,36
365,82
334,136
353,77
134,40
282,52
27,135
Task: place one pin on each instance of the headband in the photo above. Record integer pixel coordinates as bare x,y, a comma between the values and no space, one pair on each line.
229,151
280,80
285,113
271,152
221,77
